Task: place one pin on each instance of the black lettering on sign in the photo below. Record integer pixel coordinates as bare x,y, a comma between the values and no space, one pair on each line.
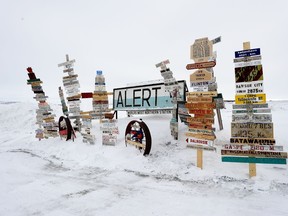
127,105
156,89
134,98
120,100
146,98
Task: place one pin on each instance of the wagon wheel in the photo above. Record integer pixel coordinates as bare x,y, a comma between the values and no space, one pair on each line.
138,134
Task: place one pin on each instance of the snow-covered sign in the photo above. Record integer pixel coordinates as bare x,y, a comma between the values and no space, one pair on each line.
145,97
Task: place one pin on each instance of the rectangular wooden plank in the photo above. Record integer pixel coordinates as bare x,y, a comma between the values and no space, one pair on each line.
254,160
251,153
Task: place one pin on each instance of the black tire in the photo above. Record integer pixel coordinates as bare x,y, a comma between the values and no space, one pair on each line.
147,135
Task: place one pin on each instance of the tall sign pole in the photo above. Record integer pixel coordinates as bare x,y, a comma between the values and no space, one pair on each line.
252,137
203,99
71,85
45,119
172,86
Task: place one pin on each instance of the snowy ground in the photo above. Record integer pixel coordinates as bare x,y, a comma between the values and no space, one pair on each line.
55,177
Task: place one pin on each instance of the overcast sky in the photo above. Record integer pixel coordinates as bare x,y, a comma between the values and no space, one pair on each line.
125,39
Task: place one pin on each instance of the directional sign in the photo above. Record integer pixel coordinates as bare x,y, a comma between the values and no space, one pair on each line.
200,105
252,147
200,88
247,59
249,106
200,120
248,63
255,130
254,87
257,118
201,50
249,74
198,141
249,52
266,110
258,141
203,147
201,65
211,93
250,153
197,99
200,136
200,111
254,160
201,131
250,99
201,75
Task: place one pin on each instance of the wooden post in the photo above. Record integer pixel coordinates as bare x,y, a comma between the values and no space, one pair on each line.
200,158
219,118
252,166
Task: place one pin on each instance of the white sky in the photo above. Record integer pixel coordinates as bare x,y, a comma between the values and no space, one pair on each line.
127,38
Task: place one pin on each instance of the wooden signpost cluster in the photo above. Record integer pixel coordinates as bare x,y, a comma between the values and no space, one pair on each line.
100,97
200,102
71,85
172,86
44,118
252,138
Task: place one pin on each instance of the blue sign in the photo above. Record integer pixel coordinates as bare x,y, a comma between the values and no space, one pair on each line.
247,53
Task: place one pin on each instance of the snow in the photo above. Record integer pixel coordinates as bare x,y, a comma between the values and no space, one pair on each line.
54,177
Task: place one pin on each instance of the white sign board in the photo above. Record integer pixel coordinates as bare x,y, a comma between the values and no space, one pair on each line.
145,97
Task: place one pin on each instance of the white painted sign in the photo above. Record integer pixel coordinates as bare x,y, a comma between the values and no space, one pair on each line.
146,97
254,87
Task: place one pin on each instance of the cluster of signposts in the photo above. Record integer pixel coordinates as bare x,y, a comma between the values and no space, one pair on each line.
200,102
252,139
44,117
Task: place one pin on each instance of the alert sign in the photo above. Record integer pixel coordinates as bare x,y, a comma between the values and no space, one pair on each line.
145,97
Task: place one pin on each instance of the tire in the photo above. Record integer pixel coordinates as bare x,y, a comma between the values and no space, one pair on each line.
146,136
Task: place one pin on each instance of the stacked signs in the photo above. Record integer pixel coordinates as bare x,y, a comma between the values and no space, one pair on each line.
63,103
171,85
87,122
45,119
100,97
71,85
251,127
200,102
109,131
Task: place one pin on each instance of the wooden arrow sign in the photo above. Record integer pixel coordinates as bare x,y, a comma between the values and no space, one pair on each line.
201,65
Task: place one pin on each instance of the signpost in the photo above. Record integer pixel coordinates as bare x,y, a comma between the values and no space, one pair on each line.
202,101
252,136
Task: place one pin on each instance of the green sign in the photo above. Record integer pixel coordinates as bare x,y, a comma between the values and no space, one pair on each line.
254,160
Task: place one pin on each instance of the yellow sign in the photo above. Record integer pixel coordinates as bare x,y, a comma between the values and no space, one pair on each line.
250,99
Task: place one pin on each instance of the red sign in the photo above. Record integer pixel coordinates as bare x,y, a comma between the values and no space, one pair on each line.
201,65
